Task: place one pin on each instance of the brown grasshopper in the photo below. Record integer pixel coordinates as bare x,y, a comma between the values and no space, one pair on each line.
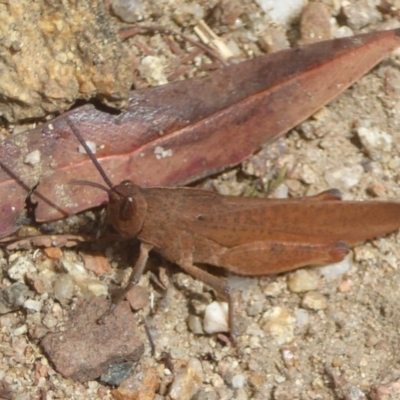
246,236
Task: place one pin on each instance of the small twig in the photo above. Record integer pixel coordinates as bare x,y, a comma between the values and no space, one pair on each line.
142,29
151,341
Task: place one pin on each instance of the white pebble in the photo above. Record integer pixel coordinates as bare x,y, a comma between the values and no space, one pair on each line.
21,330
336,270
238,381
302,317
375,141
344,178
216,318
33,158
127,10
282,12
92,147
33,305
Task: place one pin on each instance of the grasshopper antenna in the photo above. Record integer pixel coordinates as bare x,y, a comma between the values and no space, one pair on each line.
91,155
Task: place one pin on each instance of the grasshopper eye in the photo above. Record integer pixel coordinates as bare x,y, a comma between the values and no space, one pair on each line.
127,210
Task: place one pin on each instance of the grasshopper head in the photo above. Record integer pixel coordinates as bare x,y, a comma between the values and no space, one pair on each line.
127,208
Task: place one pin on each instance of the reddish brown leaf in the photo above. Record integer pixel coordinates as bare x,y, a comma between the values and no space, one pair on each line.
182,131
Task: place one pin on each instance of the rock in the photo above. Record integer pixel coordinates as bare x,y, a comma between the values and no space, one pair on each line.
315,23
127,10
386,391
33,305
302,280
140,386
282,12
81,56
54,253
273,39
97,264
19,267
138,297
151,68
89,286
13,297
314,301
359,15
216,318
280,324
85,348
117,373
194,324
187,381
238,381
63,287
344,178
375,141
336,270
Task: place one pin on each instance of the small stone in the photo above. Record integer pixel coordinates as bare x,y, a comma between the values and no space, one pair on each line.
216,318
280,324
151,68
273,289
205,395
375,141
92,147
282,12
302,317
84,349
302,280
377,189
13,297
63,288
187,381
354,393
139,386
20,330
127,10
89,286
20,267
50,321
290,355
238,381
33,158
343,31
314,301
345,286
359,15
315,23
117,373
138,297
37,331
336,270
344,178
97,264
273,39
308,175
195,325
54,253
33,305
386,391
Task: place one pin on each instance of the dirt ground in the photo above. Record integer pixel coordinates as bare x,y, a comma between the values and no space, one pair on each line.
303,335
